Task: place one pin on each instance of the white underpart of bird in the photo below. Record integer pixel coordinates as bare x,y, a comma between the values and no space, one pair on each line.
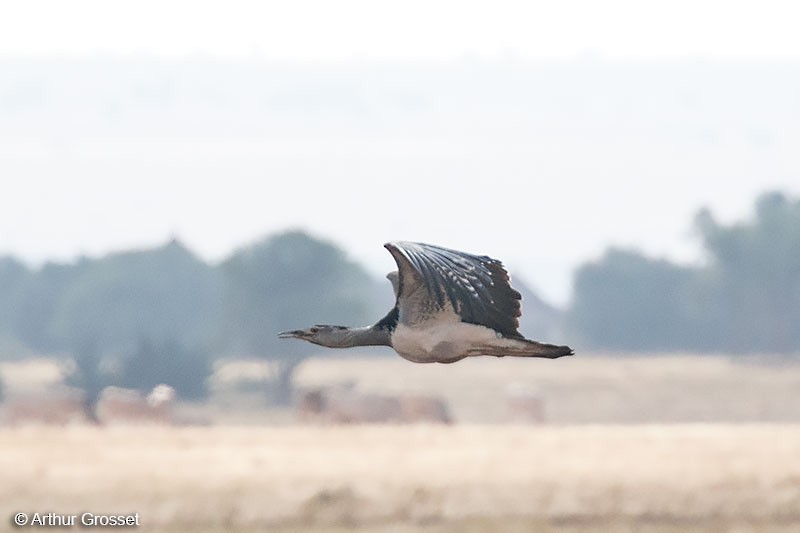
449,305
446,341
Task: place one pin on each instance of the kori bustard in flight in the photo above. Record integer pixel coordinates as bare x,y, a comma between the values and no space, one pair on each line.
449,305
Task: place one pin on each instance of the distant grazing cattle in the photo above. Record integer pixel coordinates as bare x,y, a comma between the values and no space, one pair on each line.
525,403
425,409
116,405
59,406
344,405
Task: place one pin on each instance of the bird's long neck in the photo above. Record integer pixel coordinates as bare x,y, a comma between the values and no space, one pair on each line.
350,337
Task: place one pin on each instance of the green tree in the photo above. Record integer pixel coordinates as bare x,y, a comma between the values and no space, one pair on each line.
14,276
43,294
745,298
28,299
752,281
161,294
87,374
285,282
167,361
628,301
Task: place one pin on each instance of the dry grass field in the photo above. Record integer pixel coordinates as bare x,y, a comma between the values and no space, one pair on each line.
587,388
657,444
657,478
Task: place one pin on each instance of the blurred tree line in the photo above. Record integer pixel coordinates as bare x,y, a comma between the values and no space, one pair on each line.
139,318
744,298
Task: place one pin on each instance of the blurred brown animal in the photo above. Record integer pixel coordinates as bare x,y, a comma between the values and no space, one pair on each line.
344,405
59,406
425,409
116,405
525,404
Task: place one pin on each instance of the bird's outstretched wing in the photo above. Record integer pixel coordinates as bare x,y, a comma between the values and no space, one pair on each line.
476,286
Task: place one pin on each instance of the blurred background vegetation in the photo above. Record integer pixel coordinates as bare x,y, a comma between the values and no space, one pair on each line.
140,317
743,298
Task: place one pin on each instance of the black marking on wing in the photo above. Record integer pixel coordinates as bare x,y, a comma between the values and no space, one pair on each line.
389,322
477,286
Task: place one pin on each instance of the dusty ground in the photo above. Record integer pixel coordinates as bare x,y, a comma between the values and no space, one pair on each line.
590,388
654,444
657,478
586,388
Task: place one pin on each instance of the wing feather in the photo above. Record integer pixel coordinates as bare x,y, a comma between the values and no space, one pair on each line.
476,286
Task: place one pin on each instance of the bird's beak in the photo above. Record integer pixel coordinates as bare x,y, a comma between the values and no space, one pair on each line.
294,334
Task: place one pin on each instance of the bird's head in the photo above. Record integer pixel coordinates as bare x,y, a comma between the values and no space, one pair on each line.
321,334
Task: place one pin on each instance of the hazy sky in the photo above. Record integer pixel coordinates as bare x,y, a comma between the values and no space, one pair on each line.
411,29
542,222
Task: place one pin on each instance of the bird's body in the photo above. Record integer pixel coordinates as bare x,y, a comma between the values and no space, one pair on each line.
449,305
447,342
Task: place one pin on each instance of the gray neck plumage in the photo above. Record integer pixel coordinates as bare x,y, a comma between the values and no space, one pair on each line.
350,337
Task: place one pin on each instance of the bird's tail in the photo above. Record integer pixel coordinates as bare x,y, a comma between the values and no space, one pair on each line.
528,348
